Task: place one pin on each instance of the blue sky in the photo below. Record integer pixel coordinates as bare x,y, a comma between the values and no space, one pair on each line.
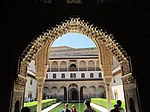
74,40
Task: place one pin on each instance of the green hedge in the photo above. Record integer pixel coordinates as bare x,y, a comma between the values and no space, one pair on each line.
45,103
103,102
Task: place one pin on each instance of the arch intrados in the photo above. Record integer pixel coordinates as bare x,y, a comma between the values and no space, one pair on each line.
73,89
63,62
45,87
62,87
92,87
54,87
82,62
83,87
55,62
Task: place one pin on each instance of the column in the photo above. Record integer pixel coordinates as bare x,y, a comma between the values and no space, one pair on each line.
67,65
58,66
97,92
41,62
79,97
88,93
86,65
58,94
40,83
130,91
50,65
108,94
78,65
67,95
18,92
95,64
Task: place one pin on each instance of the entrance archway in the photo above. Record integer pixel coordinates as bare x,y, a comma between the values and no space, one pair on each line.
74,94
38,50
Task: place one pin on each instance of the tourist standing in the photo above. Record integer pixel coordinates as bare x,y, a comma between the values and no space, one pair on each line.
66,108
88,106
119,106
115,109
73,108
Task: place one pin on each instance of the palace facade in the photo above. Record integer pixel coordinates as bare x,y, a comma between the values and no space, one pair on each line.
74,74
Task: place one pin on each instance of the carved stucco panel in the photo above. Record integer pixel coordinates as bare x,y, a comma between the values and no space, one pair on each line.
19,84
41,62
125,68
128,81
23,69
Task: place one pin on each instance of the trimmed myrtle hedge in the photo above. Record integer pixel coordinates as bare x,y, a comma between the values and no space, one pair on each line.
45,103
103,102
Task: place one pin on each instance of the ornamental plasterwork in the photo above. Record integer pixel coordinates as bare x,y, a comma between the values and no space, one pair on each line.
92,84
125,69
106,57
18,95
55,85
41,62
128,81
84,84
63,85
22,70
75,25
40,81
20,83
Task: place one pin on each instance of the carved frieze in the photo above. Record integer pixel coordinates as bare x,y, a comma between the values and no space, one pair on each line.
19,84
41,62
128,81
125,68
23,68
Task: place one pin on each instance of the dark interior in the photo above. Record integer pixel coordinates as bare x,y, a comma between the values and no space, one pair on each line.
23,20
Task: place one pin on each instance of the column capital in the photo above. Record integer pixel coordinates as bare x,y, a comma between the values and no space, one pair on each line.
40,81
107,80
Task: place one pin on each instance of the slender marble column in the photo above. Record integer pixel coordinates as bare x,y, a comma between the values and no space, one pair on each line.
108,88
40,83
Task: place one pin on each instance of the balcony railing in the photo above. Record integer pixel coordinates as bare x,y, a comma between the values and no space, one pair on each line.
63,69
82,69
54,69
73,69
91,69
